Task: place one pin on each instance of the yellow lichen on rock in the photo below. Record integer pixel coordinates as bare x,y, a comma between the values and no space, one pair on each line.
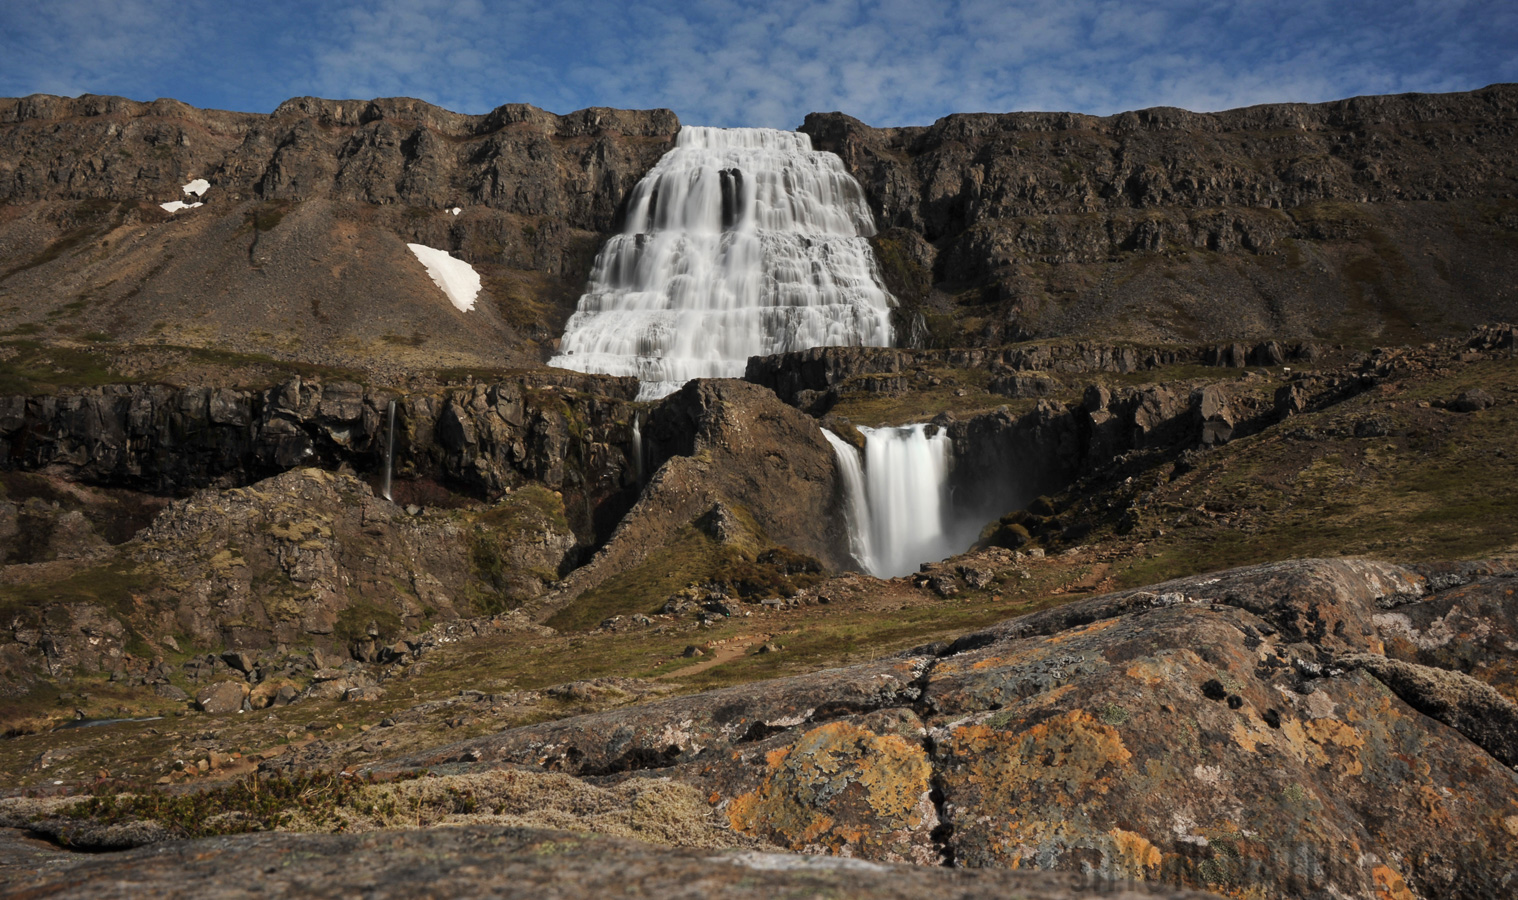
1336,745
1137,857
842,788
1071,755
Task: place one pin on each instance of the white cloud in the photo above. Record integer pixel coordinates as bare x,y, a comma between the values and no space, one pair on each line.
732,62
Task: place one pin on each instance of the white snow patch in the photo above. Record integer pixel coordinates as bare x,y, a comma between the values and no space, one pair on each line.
198,187
456,210
457,278
177,205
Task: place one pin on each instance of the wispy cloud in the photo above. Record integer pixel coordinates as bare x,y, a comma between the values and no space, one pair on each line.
732,62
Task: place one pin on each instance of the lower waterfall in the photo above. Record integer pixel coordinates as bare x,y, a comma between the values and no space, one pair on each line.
897,499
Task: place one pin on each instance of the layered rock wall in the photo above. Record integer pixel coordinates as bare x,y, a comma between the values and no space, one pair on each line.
1267,221
566,431
574,169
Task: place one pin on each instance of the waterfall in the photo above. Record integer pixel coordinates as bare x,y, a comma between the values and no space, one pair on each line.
740,242
389,452
897,499
856,509
637,448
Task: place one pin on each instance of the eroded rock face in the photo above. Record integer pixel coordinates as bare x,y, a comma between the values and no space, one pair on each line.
516,158
566,431
1226,732
1207,221
719,445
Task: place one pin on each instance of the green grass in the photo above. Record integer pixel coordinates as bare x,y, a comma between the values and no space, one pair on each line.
113,586
690,557
1434,488
41,368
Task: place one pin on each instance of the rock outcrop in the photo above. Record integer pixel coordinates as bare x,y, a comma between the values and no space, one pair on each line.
730,458
813,379
1253,730
306,558
485,861
566,431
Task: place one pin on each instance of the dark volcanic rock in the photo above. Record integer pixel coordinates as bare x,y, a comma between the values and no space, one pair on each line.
516,158
567,431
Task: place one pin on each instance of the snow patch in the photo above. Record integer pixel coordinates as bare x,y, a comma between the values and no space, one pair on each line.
198,187
177,205
457,278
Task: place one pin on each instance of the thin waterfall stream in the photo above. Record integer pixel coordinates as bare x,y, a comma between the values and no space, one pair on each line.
389,452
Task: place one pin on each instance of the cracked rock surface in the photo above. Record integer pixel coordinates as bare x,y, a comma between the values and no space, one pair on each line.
1280,726
493,862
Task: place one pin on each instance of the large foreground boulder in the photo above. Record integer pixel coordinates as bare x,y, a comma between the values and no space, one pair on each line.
1241,732
480,861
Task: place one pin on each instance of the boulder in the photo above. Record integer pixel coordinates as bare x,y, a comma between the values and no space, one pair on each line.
1473,400
1236,731
222,697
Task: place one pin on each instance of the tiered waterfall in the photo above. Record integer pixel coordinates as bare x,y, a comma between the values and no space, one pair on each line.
740,242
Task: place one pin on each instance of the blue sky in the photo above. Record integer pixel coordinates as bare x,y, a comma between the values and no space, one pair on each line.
734,62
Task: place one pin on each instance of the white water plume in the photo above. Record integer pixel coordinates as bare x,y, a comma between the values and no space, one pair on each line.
740,242
898,499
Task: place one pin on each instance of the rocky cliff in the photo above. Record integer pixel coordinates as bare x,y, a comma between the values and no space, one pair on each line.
1384,216
299,248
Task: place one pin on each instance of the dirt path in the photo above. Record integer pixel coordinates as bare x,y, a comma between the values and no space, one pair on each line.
728,650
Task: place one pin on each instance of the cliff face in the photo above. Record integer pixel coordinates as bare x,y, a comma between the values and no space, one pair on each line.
517,159
299,249
1389,215
1375,219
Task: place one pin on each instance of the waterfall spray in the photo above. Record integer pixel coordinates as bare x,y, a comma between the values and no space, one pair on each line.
389,453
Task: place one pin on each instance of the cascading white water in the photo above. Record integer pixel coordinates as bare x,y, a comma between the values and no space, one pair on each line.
898,505
740,242
389,451
856,501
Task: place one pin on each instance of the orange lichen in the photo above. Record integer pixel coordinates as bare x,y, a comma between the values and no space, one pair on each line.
841,788
1336,745
1250,732
1137,857
1069,756
1389,885
1074,633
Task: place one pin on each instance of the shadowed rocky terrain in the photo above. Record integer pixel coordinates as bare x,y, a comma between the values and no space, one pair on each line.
1231,399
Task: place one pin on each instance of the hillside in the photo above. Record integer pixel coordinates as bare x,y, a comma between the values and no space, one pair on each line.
291,543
